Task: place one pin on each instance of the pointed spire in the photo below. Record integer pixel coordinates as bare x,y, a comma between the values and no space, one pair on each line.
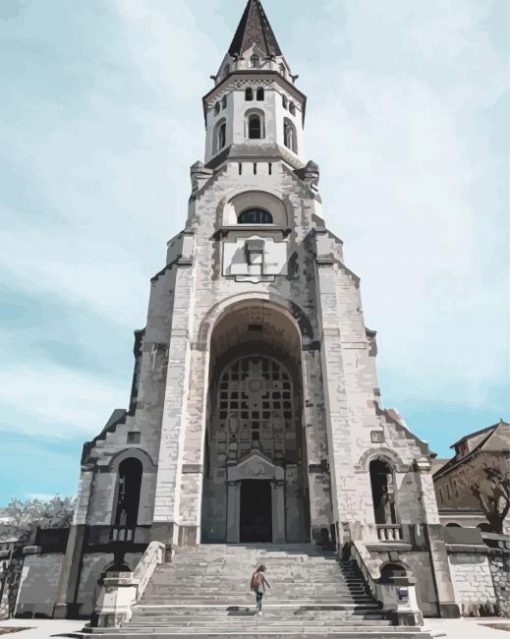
254,28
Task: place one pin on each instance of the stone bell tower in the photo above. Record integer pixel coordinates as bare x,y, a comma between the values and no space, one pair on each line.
255,413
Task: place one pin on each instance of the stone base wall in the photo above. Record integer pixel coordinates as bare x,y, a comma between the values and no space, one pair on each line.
38,588
473,583
499,565
418,565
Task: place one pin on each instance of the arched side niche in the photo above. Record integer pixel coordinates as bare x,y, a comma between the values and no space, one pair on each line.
385,454
383,492
127,499
145,459
254,200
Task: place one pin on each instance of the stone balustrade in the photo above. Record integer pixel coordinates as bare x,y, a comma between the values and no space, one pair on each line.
389,532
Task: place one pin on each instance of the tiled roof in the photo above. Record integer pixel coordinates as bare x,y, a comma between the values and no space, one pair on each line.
254,28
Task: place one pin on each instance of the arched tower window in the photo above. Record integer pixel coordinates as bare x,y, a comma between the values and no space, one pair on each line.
292,108
220,136
129,483
224,102
260,94
383,492
255,216
254,126
255,61
289,135
216,108
248,94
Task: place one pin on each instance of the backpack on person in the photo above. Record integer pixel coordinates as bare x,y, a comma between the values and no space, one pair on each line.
256,581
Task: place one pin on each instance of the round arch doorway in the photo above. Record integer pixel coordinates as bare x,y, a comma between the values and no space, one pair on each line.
255,409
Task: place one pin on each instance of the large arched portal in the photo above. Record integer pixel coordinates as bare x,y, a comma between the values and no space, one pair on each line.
255,480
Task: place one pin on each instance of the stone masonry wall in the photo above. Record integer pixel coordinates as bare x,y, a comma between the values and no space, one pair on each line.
472,583
39,583
499,564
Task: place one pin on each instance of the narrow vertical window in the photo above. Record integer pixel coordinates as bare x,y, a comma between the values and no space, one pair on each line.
270,168
248,95
240,167
260,94
220,136
216,108
129,483
254,168
255,60
254,127
292,108
284,101
224,102
289,135
383,492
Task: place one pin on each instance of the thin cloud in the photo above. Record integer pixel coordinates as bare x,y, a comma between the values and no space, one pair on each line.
412,179
56,401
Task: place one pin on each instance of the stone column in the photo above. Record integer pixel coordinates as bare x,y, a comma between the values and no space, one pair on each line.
233,511
168,484
278,510
335,401
71,565
192,480
437,547
314,425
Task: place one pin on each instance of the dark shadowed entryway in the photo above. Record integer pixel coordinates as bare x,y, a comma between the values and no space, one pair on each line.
256,521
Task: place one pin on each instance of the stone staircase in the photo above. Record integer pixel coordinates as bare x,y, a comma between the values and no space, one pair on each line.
205,593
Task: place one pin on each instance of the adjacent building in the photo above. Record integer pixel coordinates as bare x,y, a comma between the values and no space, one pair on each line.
473,488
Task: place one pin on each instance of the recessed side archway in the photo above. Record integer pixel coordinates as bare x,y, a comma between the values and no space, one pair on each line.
255,405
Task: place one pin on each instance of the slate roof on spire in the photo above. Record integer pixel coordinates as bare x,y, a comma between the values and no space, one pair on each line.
254,28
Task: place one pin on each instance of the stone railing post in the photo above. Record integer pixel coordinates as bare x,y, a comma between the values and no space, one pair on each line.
403,604
116,596
119,591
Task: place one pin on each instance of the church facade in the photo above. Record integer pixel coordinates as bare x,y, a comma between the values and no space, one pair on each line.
255,413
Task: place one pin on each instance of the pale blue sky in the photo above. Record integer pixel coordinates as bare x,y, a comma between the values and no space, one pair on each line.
100,119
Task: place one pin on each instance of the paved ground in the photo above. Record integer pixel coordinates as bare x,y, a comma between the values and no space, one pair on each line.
448,628
468,628
40,628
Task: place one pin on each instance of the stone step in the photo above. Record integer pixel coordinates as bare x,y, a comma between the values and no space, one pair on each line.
358,607
249,624
153,618
259,627
409,632
293,608
274,593
205,593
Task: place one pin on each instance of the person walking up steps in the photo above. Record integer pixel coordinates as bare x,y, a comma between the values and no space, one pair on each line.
258,585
